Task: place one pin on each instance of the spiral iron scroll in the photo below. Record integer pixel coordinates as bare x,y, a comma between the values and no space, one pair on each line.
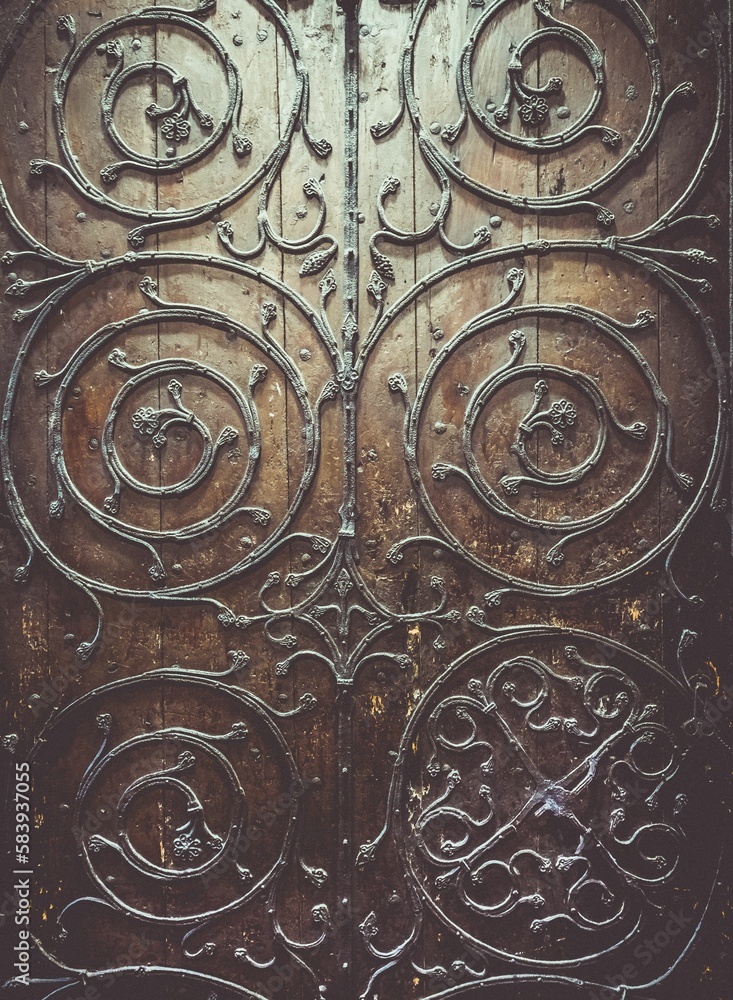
550,797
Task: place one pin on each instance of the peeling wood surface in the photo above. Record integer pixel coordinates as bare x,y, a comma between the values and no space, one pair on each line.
366,524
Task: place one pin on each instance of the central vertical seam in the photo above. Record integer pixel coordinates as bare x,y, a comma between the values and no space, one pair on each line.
349,388
351,149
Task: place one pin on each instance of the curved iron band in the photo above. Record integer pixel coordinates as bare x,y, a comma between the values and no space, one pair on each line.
154,16
112,457
32,538
155,164
132,855
487,705
400,833
479,482
176,366
140,977
601,248
514,898
260,708
124,529
556,480
162,219
539,143
442,166
481,979
541,672
506,985
501,378
162,367
138,860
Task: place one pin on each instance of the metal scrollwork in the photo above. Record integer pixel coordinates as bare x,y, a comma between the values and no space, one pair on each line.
552,795
653,439
116,42
193,766
537,795
529,107
149,427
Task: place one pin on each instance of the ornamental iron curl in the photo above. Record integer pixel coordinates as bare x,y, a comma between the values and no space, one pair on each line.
534,796
550,791
186,763
174,121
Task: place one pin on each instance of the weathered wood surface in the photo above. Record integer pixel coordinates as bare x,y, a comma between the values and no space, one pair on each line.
370,636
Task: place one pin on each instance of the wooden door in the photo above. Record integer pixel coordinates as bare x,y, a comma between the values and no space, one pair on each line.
366,546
